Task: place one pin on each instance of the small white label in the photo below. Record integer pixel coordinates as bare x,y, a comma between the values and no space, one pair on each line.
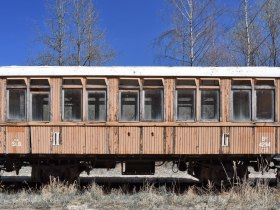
55,138
16,143
264,142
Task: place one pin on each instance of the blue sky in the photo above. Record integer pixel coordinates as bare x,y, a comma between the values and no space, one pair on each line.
131,27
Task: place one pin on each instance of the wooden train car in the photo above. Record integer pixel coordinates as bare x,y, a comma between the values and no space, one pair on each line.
210,122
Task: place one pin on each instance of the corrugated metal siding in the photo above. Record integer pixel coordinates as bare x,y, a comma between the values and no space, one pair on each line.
73,140
41,140
264,140
96,140
2,140
241,140
153,140
129,140
17,140
56,99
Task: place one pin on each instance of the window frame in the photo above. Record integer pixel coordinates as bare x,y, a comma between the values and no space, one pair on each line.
210,88
87,109
142,98
63,105
49,104
8,119
186,88
264,87
138,105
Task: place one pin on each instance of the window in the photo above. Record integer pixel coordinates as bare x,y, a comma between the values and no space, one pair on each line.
264,93
210,100
16,99
210,105
72,105
40,102
241,100
185,98
129,99
153,100
185,105
97,105
96,99
72,99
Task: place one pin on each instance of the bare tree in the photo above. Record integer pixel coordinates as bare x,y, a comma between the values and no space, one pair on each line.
54,40
191,39
89,40
73,36
270,15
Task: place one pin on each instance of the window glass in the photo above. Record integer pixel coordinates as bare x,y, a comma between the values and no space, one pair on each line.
153,107
210,105
40,107
241,105
97,106
72,104
185,105
16,102
129,106
265,104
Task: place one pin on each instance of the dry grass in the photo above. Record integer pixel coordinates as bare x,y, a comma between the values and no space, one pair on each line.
57,195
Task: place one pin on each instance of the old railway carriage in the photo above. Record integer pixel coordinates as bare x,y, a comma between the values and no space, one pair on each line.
210,122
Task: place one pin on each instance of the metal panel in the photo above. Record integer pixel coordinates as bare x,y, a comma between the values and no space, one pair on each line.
153,140
241,140
17,140
96,140
41,140
129,140
265,140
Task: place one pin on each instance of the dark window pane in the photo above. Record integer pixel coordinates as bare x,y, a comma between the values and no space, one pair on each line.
97,106
72,104
40,107
39,82
210,105
185,105
265,104
153,109
129,106
241,105
16,104
72,82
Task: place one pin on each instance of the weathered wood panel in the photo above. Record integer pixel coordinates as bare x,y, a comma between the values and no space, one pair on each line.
153,140
56,99
17,140
112,140
96,140
129,140
41,140
265,140
2,140
209,140
169,91
187,140
242,140
113,102
169,136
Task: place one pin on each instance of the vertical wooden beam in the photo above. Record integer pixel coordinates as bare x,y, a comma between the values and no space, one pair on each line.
169,93
113,99
55,99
